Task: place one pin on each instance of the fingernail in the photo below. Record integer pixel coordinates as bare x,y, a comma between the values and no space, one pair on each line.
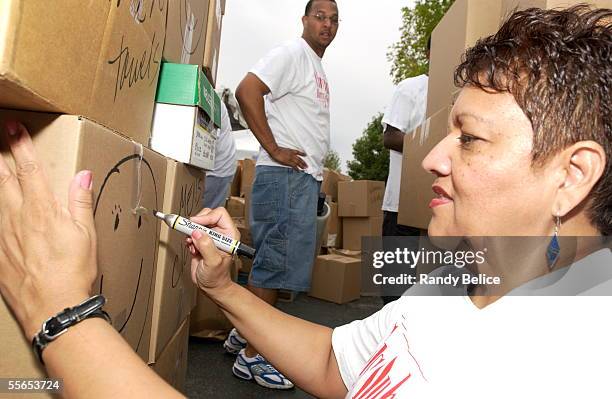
197,234
11,128
86,181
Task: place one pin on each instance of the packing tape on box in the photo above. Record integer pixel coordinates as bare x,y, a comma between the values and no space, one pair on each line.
424,131
138,209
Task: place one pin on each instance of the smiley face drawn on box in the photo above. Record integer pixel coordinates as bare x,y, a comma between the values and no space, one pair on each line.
127,247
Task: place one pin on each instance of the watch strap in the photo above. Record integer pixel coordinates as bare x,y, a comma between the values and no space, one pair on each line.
55,326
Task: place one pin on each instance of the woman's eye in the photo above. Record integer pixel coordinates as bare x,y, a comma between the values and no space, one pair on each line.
466,140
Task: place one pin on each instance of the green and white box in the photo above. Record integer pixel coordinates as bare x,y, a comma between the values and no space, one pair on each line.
187,115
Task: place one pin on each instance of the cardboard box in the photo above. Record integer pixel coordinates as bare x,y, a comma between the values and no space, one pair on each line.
174,290
186,31
333,233
245,231
345,252
235,207
187,114
248,175
329,186
105,68
415,186
246,265
213,39
360,198
172,363
235,187
336,278
181,133
355,228
463,24
127,242
247,207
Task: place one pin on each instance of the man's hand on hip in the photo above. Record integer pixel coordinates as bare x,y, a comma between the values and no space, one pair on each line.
289,157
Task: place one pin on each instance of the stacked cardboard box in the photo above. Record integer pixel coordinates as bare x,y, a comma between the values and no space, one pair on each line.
186,31
127,241
171,364
332,237
210,62
105,69
187,115
174,290
103,78
336,278
359,206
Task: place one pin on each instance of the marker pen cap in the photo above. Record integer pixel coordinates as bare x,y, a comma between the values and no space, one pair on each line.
246,251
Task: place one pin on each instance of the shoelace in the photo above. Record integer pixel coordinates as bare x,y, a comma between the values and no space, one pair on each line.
267,366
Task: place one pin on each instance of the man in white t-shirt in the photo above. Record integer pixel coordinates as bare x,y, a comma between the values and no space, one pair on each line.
220,178
405,113
285,101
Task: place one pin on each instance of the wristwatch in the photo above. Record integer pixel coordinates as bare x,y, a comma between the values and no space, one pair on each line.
55,326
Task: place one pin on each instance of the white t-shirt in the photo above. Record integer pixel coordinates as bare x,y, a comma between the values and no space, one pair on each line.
225,148
517,347
406,112
297,106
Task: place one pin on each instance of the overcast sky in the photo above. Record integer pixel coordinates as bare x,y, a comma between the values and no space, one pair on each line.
355,63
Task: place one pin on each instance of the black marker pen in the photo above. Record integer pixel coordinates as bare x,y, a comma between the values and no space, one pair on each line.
223,242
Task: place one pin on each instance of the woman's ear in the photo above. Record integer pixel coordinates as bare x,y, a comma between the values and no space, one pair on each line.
583,164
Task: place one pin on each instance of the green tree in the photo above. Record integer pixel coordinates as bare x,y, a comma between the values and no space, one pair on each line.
371,158
408,55
332,161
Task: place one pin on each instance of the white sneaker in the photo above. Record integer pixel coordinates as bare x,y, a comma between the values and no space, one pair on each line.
258,369
234,342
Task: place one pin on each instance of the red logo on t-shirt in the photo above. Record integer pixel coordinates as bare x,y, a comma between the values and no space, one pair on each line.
381,377
322,90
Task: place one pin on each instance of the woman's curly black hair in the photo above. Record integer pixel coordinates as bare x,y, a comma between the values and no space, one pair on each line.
558,66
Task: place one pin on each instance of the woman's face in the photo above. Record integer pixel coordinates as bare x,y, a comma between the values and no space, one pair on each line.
485,184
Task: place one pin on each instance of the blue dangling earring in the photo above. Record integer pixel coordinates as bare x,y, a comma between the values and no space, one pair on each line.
553,250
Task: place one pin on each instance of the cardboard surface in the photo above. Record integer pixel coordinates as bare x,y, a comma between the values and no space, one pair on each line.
172,363
235,187
336,278
213,39
329,185
235,207
355,228
106,67
181,132
415,186
248,175
174,289
463,24
127,242
186,31
360,198
333,232
345,252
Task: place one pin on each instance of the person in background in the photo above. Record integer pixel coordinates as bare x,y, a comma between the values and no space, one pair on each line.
405,113
285,101
521,158
219,179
